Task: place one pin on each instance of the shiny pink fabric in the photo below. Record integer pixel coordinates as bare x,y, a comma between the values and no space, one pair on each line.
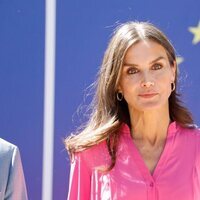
176,176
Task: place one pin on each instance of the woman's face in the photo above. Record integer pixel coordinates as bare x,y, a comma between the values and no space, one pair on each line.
146,76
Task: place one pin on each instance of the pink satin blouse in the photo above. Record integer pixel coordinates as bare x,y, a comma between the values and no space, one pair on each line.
176,176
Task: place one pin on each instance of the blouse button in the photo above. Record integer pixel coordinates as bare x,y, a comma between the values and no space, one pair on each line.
151,184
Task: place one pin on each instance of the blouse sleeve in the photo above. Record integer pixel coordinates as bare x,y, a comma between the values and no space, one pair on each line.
80,179
198,149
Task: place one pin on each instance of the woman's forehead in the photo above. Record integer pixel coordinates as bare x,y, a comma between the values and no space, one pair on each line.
144,51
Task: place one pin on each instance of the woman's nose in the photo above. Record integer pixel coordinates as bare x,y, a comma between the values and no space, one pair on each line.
147,84
147,81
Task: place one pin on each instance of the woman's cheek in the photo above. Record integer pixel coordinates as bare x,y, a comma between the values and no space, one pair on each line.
161,76
129,82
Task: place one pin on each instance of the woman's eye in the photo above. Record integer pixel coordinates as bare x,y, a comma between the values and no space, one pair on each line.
157,66
132,71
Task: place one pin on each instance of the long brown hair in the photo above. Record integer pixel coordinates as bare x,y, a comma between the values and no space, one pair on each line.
107,113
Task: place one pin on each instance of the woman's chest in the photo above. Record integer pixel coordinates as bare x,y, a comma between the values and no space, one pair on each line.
150,155
129,180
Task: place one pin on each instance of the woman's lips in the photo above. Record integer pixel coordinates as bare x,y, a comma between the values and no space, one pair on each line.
148,95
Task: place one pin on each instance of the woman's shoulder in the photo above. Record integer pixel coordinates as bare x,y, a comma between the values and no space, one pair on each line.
95,155
192,132
193,140
192,129
95,149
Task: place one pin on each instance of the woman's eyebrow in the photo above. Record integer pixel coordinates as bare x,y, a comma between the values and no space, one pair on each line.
153,61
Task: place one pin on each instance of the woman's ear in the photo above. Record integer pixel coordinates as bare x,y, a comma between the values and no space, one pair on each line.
174,68
119,89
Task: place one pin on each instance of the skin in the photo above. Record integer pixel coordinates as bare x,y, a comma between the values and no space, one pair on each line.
145,83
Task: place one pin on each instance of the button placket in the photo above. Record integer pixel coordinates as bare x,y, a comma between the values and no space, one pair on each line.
151,184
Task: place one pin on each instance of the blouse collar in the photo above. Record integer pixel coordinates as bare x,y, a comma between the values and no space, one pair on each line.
172,128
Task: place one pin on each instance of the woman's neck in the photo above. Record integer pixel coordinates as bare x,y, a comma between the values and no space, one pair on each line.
150,126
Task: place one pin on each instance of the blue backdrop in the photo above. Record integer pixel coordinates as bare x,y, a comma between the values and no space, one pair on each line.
83,31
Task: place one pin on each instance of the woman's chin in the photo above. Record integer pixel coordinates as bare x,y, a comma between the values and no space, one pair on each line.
150,106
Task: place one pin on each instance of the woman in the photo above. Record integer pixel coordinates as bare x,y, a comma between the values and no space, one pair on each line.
140,142
12,182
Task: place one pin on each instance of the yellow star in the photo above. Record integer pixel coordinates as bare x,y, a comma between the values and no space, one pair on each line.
179,60
196,32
